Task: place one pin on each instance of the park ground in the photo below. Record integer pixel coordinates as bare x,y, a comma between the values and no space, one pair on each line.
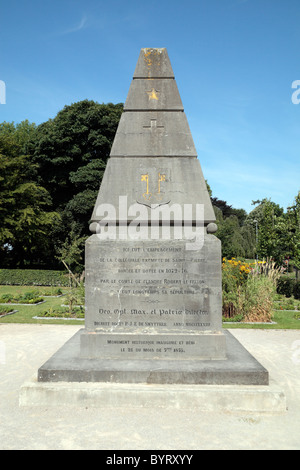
27,342
28,346
282,319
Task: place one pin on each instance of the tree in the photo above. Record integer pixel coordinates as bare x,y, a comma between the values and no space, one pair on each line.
270,221
25,207
18,135
293,216
71,151
278,232
238,239
222,205
70,252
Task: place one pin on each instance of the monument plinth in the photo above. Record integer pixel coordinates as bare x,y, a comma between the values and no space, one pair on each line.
153,265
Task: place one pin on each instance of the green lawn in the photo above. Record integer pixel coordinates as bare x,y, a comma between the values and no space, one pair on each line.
26,313
283,319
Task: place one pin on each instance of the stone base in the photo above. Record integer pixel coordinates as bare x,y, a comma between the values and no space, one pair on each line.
237,384
216,398
240,368
163,346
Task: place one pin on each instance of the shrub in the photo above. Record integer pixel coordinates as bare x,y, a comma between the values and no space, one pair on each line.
249,289
5,298
296,290
285,304
259,294
76,312
234,278
33,277
27,298
285,286
4,310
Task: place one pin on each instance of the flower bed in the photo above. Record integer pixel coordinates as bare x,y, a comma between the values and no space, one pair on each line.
29,298
75,312
4,310
248,290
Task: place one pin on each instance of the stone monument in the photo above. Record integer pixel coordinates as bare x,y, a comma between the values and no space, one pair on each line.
153,264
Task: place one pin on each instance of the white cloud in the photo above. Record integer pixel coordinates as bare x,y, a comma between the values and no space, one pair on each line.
81,25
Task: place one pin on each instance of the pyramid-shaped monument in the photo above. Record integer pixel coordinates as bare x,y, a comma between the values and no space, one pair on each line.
153,142
153,266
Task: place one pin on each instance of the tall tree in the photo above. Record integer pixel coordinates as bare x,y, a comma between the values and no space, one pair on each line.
25,206
293,216
238,239
72,148
269,219
71,151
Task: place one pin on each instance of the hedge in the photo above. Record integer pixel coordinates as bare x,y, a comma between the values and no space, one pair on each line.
33,277
297,290
288,287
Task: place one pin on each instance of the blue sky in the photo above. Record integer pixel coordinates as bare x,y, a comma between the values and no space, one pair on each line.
234,63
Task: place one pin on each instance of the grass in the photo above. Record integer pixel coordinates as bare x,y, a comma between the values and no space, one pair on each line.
25,313
284,319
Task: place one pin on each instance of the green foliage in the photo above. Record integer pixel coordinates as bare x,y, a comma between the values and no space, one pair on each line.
238,239
234,278
71,251
267,232
63,312
259,295
287,304
4,310
285,286
231,236
293,216
71,151
25,214
296,290
278,232
33,277
49,179
26,298
248,290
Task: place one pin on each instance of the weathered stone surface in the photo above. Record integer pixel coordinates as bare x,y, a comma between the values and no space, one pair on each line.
240,368
152,182
153,134
152,95
133,283
154,123
156,293
153,63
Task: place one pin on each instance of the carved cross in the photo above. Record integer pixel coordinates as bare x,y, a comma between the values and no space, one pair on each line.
153,126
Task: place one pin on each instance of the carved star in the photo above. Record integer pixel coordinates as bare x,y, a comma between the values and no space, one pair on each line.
153,94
